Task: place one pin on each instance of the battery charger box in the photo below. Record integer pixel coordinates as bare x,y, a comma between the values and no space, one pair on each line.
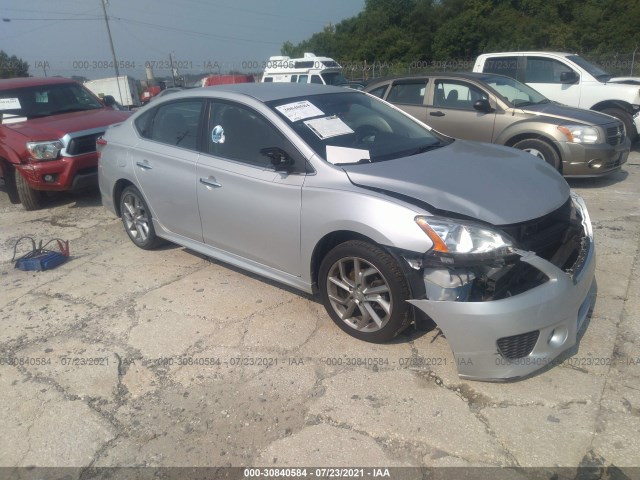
41,261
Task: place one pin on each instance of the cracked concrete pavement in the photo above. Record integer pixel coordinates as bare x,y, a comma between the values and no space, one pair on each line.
124,357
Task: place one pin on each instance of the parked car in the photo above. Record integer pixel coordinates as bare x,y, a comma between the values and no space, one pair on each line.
499,109
330,190
570,79
48,131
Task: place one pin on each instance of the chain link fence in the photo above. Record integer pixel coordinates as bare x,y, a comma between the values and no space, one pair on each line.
617,64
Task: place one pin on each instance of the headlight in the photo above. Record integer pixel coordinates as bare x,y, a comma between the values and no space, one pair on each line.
45,150
580,134
463,240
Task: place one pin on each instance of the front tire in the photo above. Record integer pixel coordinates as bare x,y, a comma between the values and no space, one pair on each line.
542,150
626,119
137,220
31,199
365,291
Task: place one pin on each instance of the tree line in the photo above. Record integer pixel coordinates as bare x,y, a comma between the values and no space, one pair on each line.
439,30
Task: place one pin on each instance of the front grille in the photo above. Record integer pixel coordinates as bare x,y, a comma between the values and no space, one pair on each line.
84,144
518,346
543,235
615,134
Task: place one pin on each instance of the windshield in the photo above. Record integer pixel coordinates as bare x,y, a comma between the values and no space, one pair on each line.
44,100
516,93
353,127
593,70
334,78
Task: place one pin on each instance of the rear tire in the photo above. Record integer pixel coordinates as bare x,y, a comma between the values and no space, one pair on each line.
137,220
626,119
540,149
31,199
365,291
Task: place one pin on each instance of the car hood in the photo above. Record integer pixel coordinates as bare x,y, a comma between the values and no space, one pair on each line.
568,114
491,183
57,126
626,80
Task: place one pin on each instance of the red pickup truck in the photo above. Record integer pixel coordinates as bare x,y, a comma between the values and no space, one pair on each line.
48,132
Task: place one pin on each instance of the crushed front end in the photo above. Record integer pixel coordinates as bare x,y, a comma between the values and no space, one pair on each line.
508,315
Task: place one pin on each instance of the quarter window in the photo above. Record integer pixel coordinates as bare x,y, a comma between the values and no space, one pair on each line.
379,92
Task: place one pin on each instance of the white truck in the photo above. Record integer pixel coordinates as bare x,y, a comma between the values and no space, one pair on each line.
309,69
126,95
570,79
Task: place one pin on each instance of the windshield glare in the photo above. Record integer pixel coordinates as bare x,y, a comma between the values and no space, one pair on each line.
514,92
353,127
45,100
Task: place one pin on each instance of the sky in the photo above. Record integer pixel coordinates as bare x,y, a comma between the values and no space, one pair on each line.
69,37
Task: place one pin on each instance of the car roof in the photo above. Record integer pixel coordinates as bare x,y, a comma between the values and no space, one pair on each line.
32,82
418,76
266,92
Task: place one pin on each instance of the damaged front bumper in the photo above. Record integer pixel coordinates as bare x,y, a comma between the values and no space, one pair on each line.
512,337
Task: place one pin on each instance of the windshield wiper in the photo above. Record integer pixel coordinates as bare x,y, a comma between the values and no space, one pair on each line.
426,148
72,109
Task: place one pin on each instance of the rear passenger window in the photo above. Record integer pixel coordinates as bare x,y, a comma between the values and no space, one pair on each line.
407,93
502,66
316,79
379,92
175,123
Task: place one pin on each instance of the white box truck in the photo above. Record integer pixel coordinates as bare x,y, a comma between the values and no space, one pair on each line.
127,95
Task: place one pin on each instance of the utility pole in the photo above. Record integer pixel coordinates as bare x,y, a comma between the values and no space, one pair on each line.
113,52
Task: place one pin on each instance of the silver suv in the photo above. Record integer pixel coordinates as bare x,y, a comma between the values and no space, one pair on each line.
499,109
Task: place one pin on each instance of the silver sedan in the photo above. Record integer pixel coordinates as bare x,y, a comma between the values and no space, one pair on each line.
333,191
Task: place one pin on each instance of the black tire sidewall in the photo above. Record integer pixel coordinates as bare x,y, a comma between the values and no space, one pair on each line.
31,199
396,280
626,119
152,239
550,155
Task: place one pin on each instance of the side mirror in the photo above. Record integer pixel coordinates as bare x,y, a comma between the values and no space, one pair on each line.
569,77
109,101
279,159
482,105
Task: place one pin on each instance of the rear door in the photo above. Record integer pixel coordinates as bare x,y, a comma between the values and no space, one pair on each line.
164,163
451,110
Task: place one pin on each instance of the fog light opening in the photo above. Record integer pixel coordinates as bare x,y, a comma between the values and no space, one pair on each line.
596,164
49,178
558,337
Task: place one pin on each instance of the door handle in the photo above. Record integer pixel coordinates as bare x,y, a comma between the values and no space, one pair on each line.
437,114
144,165
210,182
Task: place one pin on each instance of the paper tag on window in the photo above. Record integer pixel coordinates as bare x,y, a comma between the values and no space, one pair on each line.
9,104
338,155
299,110
328,127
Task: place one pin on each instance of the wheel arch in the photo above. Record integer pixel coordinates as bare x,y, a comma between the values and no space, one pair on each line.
536,136
331,240
621,104
119,186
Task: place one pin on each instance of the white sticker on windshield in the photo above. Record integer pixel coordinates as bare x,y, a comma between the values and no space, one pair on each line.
8,118
9,103
328,127
338,155
299,110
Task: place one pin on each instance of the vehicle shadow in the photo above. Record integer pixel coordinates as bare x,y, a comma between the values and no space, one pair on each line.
598,182
81,198
422,325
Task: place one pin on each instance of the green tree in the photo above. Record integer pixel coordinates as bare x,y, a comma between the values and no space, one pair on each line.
12,66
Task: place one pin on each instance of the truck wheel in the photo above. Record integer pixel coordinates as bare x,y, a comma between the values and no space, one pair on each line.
540,149
31,199
10,183
626,119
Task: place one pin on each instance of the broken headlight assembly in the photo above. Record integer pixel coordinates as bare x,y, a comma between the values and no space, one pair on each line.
460,243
